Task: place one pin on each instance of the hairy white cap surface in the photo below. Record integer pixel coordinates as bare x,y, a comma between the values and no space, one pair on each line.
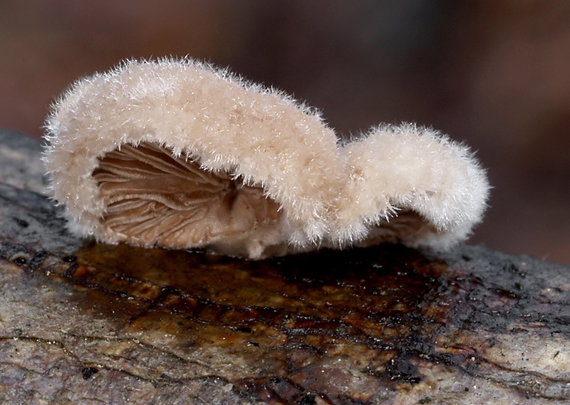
178,154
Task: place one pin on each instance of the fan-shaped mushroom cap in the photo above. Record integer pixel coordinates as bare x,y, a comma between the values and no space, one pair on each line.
178,154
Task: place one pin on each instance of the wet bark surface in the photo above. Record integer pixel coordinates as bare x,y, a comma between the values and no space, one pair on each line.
89,323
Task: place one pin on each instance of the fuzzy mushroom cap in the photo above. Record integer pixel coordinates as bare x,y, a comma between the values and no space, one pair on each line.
178,154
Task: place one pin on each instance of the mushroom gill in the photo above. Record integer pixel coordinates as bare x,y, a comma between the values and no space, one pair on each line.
404,226
154,198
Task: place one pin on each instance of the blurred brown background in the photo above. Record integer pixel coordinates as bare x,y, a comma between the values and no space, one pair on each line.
494,74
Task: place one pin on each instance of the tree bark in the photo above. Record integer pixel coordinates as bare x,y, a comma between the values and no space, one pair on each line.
89,323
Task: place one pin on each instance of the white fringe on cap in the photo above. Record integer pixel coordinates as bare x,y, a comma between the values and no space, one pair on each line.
176,153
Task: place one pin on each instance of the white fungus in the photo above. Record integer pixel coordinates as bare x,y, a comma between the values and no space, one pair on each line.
178,154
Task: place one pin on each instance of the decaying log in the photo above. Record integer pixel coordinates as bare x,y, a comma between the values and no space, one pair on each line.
89,323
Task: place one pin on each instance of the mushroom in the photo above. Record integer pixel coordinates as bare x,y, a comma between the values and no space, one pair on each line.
179,154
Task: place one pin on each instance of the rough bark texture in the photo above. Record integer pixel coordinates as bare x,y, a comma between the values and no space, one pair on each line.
87,323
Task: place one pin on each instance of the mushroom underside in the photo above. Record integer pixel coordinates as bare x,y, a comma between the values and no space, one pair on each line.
155,198
407,227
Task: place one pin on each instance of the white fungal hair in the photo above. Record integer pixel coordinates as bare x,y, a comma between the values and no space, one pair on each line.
179,154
